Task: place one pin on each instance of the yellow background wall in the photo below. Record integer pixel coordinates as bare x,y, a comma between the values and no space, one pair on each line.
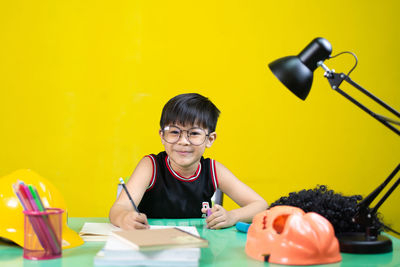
82,85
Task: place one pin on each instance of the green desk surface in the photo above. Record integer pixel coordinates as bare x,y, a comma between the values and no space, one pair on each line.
226,248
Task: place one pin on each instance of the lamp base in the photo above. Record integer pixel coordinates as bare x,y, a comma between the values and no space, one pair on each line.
358,243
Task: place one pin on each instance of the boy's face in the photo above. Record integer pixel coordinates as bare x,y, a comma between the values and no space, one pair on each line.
182,151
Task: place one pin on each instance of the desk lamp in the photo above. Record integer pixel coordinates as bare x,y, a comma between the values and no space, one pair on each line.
296,73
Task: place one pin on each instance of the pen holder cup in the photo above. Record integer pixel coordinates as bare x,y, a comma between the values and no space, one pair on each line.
43,234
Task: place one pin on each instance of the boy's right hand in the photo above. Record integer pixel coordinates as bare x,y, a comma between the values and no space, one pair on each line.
134,220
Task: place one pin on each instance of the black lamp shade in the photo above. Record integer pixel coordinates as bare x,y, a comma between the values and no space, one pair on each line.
296,72
293,74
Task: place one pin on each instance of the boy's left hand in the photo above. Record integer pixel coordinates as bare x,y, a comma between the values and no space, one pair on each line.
220,217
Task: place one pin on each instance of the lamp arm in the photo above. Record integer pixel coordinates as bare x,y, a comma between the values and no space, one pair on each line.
368,200
389,119
375,209
369,94
335,79
364,213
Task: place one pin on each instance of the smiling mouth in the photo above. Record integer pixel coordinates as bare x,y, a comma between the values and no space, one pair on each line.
184,152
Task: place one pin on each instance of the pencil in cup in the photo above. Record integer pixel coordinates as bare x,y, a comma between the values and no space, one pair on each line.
42,238
45,226
22,193
48,226
41,224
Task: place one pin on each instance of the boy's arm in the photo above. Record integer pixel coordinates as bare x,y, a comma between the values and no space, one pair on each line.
249,201
122,213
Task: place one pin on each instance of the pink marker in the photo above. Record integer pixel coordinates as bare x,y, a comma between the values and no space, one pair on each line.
206,205
209,212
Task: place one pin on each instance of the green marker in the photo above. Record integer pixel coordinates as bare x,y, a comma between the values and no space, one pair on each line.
36,197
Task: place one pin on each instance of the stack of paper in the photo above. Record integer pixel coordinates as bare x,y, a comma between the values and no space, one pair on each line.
119,252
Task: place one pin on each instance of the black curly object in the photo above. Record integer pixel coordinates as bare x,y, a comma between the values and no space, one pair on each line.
335,207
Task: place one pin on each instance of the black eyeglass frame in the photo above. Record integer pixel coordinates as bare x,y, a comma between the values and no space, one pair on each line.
187,134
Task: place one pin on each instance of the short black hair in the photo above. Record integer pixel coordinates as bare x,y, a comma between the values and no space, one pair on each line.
335,207
190,109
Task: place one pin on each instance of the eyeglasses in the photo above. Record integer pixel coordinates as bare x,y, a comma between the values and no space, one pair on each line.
196,136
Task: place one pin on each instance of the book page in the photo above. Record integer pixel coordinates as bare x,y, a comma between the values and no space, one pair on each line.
115,244
98,229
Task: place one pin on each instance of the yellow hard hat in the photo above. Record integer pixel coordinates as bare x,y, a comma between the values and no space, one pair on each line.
12,222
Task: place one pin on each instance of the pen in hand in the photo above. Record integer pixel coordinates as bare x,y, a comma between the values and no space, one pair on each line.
129,196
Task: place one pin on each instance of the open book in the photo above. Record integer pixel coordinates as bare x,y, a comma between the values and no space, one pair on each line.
158,239
100,232
97,231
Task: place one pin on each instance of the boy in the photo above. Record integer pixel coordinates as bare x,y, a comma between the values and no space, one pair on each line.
175,183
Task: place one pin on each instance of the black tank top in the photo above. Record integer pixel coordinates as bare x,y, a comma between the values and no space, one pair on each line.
169,195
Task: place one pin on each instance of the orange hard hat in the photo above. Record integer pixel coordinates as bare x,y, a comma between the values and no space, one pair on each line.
287,235
12,222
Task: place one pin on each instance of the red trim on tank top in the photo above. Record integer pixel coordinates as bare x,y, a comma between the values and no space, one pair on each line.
180,177
214,174
154,174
